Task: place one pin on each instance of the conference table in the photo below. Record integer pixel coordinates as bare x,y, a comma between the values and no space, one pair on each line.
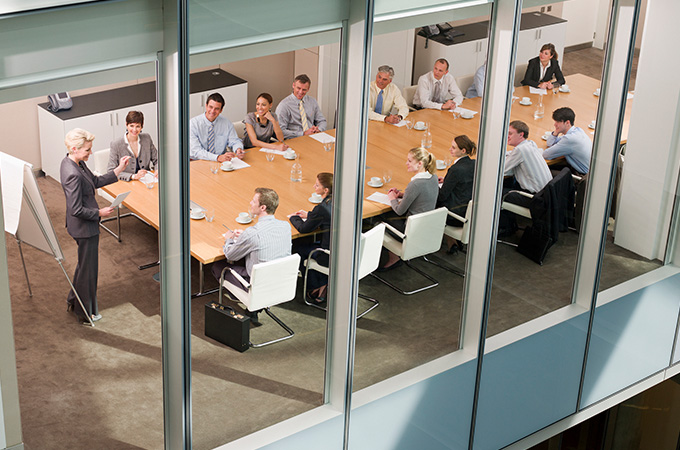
229,193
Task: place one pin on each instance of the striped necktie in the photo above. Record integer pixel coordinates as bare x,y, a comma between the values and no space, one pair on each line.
211,138
437,91
303,117
379,102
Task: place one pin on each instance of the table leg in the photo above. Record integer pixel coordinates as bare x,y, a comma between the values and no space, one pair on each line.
201,282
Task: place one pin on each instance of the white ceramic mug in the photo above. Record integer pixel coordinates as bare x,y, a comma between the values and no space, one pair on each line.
227,165
564,87
467,115
375,180
440,164
420,125
244,216
316,197
526,100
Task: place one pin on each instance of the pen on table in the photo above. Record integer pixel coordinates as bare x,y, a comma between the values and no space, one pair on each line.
227,228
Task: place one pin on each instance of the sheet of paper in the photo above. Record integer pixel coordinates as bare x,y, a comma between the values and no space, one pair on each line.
239,164
149,178
322,137
533,90
119,199
379,197
268,150
630,95
401,123
460,110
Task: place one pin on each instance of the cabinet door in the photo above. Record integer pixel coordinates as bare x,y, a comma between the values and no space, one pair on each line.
482,48
150,120
554,34
526,45
101,125
462,58
236,98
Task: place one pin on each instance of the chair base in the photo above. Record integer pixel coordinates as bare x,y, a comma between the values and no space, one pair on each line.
290,332
445,266
375,304
435,283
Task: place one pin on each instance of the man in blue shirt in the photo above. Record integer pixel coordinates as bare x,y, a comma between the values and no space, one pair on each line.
574,144
211,136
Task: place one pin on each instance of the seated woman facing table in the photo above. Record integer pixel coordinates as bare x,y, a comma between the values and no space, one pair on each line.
419,196
262,125
306,222
541,69
137,145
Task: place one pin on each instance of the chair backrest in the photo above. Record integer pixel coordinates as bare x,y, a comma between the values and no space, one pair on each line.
520,70
465,82
424,233
273,282
101,161
409,92
240,128
369,250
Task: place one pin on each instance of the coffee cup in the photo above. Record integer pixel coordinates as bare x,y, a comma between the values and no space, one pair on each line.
227,165
289,153
316,197
592,124
375,180
597,91
547,134
420,125
244,216
526,100
467,115
564,88
440,164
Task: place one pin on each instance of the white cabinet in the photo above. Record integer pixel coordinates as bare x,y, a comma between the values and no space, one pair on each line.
90,112
530,41
463,58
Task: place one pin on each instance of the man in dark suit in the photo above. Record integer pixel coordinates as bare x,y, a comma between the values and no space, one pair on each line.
82,218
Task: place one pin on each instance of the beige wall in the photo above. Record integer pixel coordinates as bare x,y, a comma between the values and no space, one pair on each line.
273,74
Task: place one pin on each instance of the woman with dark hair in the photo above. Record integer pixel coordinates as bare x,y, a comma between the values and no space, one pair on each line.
541,69
306,222
456,189
137,145
262,125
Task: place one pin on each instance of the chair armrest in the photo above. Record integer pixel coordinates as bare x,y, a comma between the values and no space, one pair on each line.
236,275
456,216
316,250
576,177
526,194
394,230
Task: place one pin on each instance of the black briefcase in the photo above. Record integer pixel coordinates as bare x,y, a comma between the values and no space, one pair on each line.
227,326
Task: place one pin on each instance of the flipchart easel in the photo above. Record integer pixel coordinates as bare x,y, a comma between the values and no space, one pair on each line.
26,216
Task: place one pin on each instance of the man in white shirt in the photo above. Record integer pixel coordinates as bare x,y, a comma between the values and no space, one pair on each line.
476,89
299,114
384,96
211,136
438,89
574,144
525,162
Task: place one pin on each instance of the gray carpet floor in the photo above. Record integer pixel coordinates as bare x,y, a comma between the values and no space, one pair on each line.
83,388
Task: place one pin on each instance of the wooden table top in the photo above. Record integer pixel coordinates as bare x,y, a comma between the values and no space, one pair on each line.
230,192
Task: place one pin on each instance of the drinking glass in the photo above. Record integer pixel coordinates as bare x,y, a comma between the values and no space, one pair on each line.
387,176
269,156
328,146
409,124
209,214
215,167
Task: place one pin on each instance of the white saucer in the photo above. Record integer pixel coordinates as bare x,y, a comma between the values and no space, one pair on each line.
374,185
596,94
467,118
544,138
311,199
525,104
420,129
238,219
565,91
199,216
289,158
226,169
591,126
441,167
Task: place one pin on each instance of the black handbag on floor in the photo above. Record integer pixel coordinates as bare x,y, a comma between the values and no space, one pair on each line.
534,244
227,326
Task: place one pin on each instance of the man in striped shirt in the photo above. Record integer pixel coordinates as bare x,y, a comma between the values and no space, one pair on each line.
267,240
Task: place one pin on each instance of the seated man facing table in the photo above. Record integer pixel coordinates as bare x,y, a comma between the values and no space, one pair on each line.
267,240
384,96
211,136
438,89
529,171
299,114
569,141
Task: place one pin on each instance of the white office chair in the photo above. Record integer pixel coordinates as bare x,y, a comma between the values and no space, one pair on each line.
461,234
271,283
465,82
520,70
101,162
409,92
240,128
369,258
422,236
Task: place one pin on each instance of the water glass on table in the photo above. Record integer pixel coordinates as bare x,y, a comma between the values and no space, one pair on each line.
409,124
209,214
215,166
328,146
387,176
269,156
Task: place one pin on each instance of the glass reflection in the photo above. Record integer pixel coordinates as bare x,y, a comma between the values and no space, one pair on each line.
271,198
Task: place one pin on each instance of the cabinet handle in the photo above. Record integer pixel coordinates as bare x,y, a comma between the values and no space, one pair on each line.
111,119
116,119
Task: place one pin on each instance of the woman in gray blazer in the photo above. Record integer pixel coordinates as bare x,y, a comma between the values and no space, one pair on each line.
137,145
82,217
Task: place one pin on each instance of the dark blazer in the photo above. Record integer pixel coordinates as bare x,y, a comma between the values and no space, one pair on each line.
533,73
456,190
319,217
147,155
82,210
